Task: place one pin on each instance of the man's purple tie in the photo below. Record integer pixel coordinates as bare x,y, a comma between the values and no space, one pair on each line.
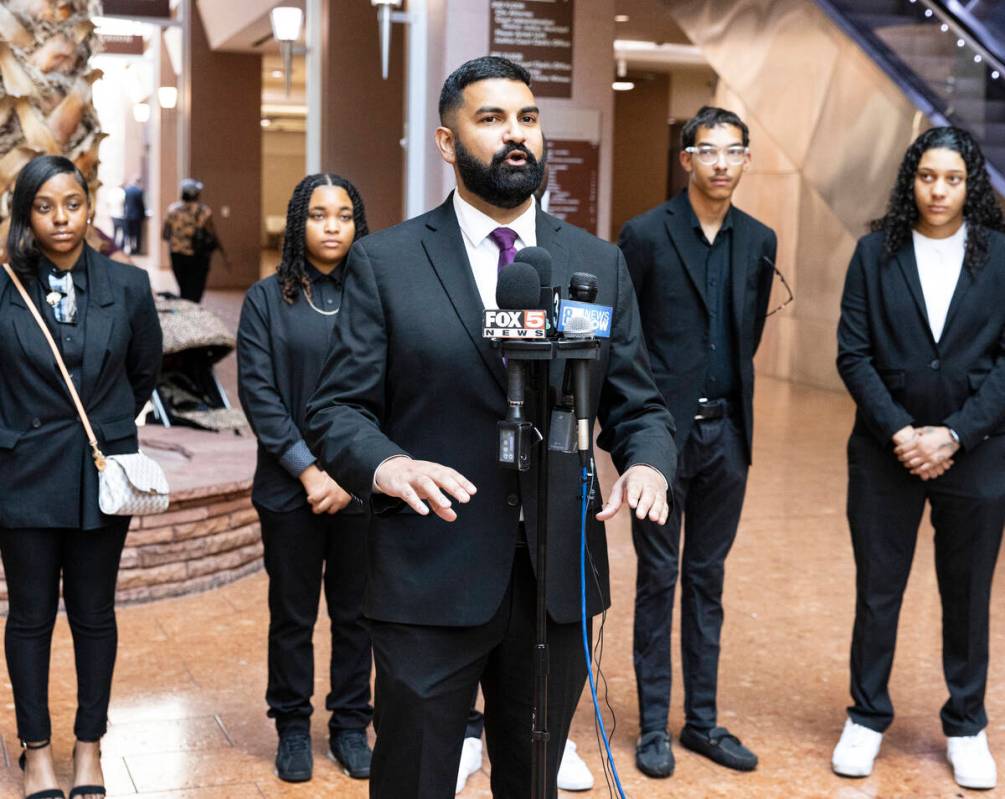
504,238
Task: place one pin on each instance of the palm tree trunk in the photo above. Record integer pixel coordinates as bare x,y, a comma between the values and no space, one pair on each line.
45,86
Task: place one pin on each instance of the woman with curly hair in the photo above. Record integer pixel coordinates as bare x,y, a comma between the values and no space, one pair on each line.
312,530
921,348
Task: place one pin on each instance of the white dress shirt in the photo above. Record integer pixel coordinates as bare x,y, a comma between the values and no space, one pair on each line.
939,264
483,254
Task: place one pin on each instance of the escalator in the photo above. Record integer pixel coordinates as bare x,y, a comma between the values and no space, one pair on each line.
948,56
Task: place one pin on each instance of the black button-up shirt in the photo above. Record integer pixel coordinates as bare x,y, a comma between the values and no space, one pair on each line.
722,380
281,348
69,336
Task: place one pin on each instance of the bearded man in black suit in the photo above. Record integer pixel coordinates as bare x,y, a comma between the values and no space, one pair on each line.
405,417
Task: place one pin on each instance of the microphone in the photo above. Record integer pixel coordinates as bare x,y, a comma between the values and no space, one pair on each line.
519,314
516,289
540,259
583,288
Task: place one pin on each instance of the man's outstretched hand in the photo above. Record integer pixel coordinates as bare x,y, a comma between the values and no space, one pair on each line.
419,482
645,491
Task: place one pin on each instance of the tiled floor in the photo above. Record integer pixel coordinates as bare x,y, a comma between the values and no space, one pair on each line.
188,721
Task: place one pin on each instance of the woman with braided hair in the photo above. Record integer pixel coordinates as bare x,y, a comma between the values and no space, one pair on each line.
312,530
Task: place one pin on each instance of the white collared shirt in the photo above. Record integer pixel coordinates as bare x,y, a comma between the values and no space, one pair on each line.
483,254
939,264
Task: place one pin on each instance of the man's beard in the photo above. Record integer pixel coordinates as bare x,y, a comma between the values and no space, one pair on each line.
498,183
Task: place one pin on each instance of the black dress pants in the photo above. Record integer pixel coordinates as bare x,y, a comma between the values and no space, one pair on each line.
191,272
708,491
301,550
885,505
88,561
427,677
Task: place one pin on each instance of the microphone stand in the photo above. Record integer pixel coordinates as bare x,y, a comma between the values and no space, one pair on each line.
540,353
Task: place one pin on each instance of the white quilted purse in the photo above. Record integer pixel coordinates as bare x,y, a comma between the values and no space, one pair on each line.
128,485
132,485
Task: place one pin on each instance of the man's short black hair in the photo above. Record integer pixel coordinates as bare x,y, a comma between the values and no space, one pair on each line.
484,68
709,116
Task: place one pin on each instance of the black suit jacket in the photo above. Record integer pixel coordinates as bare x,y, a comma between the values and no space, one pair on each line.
44,456
409,373
665,260
895,370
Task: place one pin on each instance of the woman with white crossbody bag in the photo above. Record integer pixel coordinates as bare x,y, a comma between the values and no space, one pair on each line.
80,348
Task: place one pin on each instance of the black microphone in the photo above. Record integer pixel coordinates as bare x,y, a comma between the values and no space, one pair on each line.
583,287
517,289
540,259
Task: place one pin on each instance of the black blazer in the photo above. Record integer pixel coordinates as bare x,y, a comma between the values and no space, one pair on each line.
47,477
665,261
409,372
893,367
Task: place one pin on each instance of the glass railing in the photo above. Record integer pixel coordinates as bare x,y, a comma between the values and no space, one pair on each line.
984,19
947,63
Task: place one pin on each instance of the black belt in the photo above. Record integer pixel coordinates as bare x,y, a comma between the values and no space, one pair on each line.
713,409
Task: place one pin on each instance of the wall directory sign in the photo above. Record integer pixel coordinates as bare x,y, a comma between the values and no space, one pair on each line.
536,34
573,173
137,8
116,44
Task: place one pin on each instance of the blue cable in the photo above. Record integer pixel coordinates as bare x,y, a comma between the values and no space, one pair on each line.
586,637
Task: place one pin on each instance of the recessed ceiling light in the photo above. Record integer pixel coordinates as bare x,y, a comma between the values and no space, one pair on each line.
621,18
276,73
623,85
266,122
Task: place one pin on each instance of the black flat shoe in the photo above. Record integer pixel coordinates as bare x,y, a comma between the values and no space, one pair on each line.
719,745
22,762
653,755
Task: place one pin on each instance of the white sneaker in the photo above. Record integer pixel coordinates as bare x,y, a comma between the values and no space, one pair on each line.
573,773
856,751
973,765
471,761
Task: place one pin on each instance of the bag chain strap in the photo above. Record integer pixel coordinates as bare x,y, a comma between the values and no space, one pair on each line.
96,454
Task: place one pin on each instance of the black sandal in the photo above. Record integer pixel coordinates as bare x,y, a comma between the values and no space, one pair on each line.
22,762
84,790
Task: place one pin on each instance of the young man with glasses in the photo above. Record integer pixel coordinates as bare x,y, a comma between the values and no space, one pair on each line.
702,271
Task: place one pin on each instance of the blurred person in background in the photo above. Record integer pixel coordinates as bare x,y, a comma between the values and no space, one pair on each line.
134,212
191,237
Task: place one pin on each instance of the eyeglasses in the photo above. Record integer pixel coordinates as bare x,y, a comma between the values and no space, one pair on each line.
709,156
785,285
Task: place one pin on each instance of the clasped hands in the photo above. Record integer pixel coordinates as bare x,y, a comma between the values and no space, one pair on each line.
323,493
420,482
926,452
